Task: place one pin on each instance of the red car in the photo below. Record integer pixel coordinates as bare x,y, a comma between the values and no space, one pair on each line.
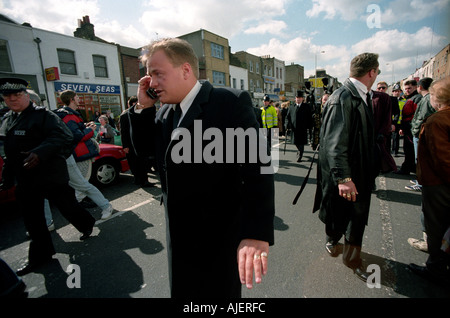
108,165
105,169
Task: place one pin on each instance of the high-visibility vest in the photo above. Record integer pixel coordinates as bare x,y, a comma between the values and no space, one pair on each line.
269,117
401,103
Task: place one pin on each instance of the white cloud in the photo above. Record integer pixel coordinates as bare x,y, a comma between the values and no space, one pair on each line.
113,31
225,18
394,44
56,16
268,27
346,9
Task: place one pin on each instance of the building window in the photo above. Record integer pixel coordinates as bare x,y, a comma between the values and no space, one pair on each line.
5,63
250,64
234,83
67,62
100,66
218,78
217,51
257,68
242,84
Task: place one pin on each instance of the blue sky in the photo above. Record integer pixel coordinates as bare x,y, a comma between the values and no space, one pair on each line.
404,32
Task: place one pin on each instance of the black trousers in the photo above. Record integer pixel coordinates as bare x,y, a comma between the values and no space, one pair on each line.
409,165
436,210
300,150
139,167
396,139
352,227
31,202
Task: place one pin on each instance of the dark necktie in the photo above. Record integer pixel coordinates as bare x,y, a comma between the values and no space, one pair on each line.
369,103
176,116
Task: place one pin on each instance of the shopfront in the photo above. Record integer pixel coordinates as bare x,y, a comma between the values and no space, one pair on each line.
93,97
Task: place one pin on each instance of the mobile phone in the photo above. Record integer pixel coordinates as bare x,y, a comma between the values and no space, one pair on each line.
152,93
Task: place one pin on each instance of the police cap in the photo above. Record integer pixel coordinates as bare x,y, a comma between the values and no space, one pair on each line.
12,85
396,87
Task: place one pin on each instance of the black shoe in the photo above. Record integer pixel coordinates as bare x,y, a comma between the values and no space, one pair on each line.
86,234
331,249
31,267
402,172
361,274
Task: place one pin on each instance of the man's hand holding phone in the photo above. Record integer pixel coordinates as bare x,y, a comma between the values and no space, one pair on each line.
146,95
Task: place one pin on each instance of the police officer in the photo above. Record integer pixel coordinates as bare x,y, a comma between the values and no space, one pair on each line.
36,144
269,119
397,118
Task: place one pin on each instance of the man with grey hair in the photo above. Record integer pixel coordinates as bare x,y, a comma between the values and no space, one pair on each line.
36,145
347,162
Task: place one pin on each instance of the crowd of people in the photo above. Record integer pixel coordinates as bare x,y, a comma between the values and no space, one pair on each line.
355,129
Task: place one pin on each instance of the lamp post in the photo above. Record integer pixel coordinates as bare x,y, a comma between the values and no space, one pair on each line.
393,76
38,42
315,76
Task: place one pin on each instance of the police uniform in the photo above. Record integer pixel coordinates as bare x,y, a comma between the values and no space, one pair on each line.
39,131
269,118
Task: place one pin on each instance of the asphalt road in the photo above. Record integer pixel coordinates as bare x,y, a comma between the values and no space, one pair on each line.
126,255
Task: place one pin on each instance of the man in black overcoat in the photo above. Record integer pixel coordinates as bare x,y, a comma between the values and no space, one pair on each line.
136,123
299,120
219,214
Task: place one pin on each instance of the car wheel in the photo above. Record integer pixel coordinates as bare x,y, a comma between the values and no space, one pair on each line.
104,173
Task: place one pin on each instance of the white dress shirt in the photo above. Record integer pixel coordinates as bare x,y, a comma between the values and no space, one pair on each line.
188,100
362,89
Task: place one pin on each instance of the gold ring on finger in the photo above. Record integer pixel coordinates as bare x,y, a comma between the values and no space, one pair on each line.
263,254
256,256
353,193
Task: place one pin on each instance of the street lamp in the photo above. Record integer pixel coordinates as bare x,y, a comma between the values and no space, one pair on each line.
315,76
393,76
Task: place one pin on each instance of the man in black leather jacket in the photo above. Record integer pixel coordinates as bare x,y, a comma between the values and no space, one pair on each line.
347,167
